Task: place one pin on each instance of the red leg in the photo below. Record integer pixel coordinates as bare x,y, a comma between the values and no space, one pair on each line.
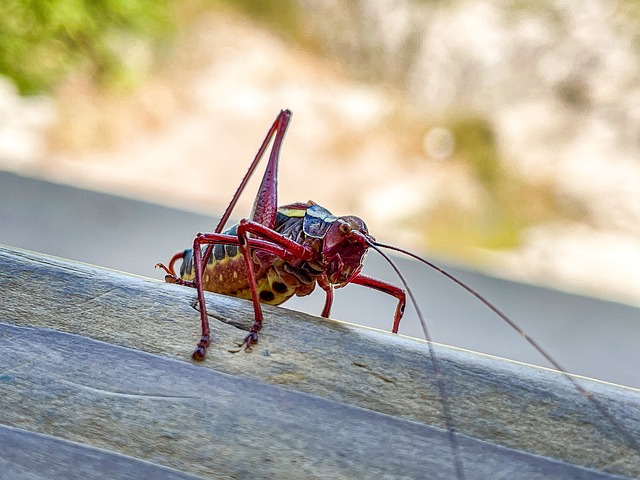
294,251
265,206
388,289
179,281
278,129
323,281
263,218
252,337
201,348
171,276
170,270
272,237
281,250
254,244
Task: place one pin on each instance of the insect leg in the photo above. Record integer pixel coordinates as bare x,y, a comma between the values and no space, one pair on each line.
389,289
170,270
300,252
294,252
278,128
211,239
201,348
324,283
252,337
265,206
171,276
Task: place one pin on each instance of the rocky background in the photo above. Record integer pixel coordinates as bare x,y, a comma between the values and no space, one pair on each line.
501,134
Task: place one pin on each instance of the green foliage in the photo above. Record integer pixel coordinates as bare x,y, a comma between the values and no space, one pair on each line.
42,41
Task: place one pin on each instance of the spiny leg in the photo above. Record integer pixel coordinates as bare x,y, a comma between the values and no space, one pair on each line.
278,129
264,211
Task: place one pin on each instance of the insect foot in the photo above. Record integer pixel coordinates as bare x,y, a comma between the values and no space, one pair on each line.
201,350
251,338
171,277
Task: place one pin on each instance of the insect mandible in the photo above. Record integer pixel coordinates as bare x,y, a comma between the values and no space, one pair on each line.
279,252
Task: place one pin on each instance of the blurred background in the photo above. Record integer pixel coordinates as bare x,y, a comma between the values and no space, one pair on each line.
499,135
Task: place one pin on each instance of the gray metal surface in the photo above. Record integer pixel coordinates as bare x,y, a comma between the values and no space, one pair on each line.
26,455
206,423
313,396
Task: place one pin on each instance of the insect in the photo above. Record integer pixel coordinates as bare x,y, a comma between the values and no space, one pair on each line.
279,252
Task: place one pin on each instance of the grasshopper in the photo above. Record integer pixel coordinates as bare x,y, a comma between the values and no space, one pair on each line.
279,252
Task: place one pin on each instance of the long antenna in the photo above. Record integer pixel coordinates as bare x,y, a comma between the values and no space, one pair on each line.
632,442
444,399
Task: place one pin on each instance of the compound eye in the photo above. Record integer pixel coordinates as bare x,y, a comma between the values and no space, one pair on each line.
345,228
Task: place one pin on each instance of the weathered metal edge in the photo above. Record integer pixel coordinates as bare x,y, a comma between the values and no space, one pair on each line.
503,402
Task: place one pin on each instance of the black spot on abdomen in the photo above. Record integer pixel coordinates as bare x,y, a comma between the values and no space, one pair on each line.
279,287
267,296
